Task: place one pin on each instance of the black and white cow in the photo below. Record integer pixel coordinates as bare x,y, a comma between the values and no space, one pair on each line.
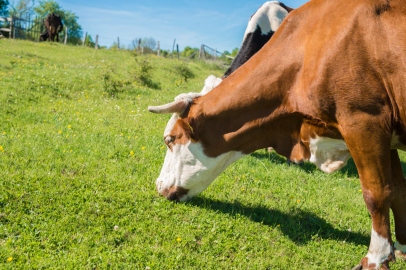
261,27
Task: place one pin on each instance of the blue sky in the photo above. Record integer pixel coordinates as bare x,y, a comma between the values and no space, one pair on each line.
218,24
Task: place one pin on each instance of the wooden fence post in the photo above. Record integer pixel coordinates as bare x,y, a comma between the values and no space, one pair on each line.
203,55
66,35
139,45
158,49
173,48
84,40
12,28
118,43
97,42
215,53
177,48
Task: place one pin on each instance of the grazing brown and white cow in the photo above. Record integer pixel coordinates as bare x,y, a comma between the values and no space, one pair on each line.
261,27
330,84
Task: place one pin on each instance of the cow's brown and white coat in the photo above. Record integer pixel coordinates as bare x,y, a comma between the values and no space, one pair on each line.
330,84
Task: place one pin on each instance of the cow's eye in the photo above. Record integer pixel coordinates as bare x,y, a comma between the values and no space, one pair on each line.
169,139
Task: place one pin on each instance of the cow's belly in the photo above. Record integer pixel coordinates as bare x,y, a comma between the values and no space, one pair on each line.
332,154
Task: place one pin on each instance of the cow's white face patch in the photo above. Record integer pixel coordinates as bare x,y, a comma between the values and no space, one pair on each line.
187,166
328,154
268,17
379,249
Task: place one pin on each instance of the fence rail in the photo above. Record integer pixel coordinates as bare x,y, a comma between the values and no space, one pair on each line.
28,28
31,29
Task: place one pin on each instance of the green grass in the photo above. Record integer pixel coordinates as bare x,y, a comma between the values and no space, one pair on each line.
76,161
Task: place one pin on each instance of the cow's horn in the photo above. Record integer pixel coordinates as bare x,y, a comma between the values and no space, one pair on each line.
178,106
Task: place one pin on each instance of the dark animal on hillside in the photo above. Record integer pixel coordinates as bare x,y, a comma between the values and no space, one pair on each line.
44,36
54,26
330,84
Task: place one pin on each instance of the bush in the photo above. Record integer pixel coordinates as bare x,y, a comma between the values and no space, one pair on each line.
142,71
112,83
184,71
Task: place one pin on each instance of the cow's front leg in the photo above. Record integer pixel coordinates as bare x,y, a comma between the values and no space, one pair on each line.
398,205
373,161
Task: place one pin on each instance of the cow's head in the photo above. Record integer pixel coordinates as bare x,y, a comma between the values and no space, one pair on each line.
187,170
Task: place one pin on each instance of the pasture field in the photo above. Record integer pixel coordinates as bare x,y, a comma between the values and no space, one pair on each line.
79,155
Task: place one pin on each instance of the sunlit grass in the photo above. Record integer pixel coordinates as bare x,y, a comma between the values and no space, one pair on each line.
78,166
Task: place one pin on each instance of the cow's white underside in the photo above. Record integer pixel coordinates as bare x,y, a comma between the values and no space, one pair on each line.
332,154
328,154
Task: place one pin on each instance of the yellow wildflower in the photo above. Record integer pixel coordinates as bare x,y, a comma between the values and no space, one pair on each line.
59,132
10,259
143,148
178,239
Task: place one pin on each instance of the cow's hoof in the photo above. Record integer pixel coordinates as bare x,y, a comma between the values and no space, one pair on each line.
364,265
358,267
400,251
400,255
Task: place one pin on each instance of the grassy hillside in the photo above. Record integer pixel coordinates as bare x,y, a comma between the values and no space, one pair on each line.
79,155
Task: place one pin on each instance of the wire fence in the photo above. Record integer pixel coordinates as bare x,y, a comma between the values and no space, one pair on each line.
28,28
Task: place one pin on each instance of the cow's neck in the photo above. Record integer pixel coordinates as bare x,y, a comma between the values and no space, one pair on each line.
249,111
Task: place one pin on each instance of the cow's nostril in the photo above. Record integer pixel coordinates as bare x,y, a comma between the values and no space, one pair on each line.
173,196
174,193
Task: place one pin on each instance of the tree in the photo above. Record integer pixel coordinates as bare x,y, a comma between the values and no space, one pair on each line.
134,44
69,19
234,52
3,7
22,8
187,51
89,41
148,43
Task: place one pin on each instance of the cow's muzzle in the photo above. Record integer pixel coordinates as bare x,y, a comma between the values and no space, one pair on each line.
175,193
